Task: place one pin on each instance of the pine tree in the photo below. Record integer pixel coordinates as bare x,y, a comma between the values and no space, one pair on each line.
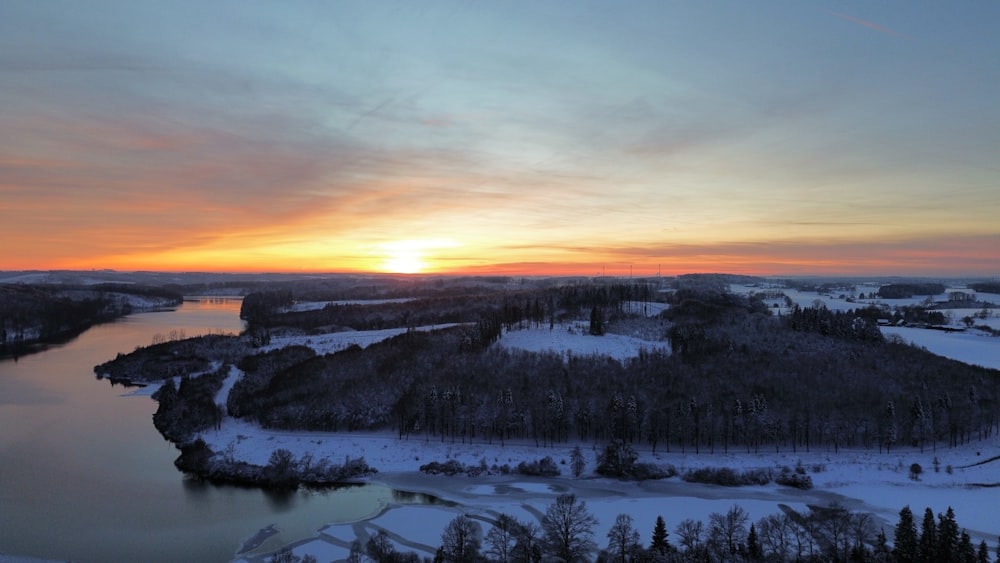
754,551
983,555
947,536
660,544
966,553
882,552
905,538
596,321
927,552
576,461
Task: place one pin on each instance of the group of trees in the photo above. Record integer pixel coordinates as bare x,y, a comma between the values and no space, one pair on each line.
738,378
743,380
31,314
906,290
938,541
566,533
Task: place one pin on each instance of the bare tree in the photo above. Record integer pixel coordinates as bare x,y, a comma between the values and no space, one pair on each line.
529,543
727,533
777,535
623,539
380,547
568,530
689,534
460,541
502,538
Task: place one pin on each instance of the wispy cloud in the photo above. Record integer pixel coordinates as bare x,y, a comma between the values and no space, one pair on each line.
530,139
868,24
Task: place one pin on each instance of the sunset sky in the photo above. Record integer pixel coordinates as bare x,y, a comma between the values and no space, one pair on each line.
520,137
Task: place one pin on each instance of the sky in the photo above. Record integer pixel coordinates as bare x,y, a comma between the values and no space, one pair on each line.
771,137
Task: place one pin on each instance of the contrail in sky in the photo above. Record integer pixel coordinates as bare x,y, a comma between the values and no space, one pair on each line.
867,24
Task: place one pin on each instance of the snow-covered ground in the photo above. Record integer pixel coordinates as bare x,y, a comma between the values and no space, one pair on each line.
971,348
316,305
860,480
333,342
575,338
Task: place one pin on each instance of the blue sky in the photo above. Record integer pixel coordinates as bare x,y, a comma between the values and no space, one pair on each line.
528,137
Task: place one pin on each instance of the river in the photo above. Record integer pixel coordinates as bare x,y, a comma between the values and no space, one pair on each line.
85,476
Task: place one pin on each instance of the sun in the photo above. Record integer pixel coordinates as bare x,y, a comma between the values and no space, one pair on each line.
404,263
403,257
412,256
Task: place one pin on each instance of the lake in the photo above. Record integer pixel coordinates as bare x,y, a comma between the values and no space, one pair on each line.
85,476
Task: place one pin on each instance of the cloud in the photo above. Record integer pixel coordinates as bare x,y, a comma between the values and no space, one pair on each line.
868,24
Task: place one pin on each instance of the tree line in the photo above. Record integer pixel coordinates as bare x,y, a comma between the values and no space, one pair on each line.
43,313
566,533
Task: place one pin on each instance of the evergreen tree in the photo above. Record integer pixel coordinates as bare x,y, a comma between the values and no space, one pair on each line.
882,553
947,537
596,321
754,551
966,553
983,555
905,538
660,544
576,462
927,552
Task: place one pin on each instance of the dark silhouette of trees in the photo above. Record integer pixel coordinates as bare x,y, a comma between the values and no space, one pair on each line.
568,530
501,540
727,533
596,321
460,541
623,539
660,544
905,547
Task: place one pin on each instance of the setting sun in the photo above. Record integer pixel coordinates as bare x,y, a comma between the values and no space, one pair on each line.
404,263
410,256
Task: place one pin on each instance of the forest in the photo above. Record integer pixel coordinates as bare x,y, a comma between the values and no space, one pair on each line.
39,314
736,377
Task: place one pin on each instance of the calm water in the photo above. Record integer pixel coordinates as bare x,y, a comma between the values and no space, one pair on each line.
85,476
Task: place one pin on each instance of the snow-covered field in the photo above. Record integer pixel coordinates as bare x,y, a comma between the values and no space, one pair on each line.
968,347
333,342
574,338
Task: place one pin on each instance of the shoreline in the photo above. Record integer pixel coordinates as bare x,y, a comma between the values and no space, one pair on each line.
860,480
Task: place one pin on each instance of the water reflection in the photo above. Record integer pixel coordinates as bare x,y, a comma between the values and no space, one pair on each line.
281,500
407,497
85,476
